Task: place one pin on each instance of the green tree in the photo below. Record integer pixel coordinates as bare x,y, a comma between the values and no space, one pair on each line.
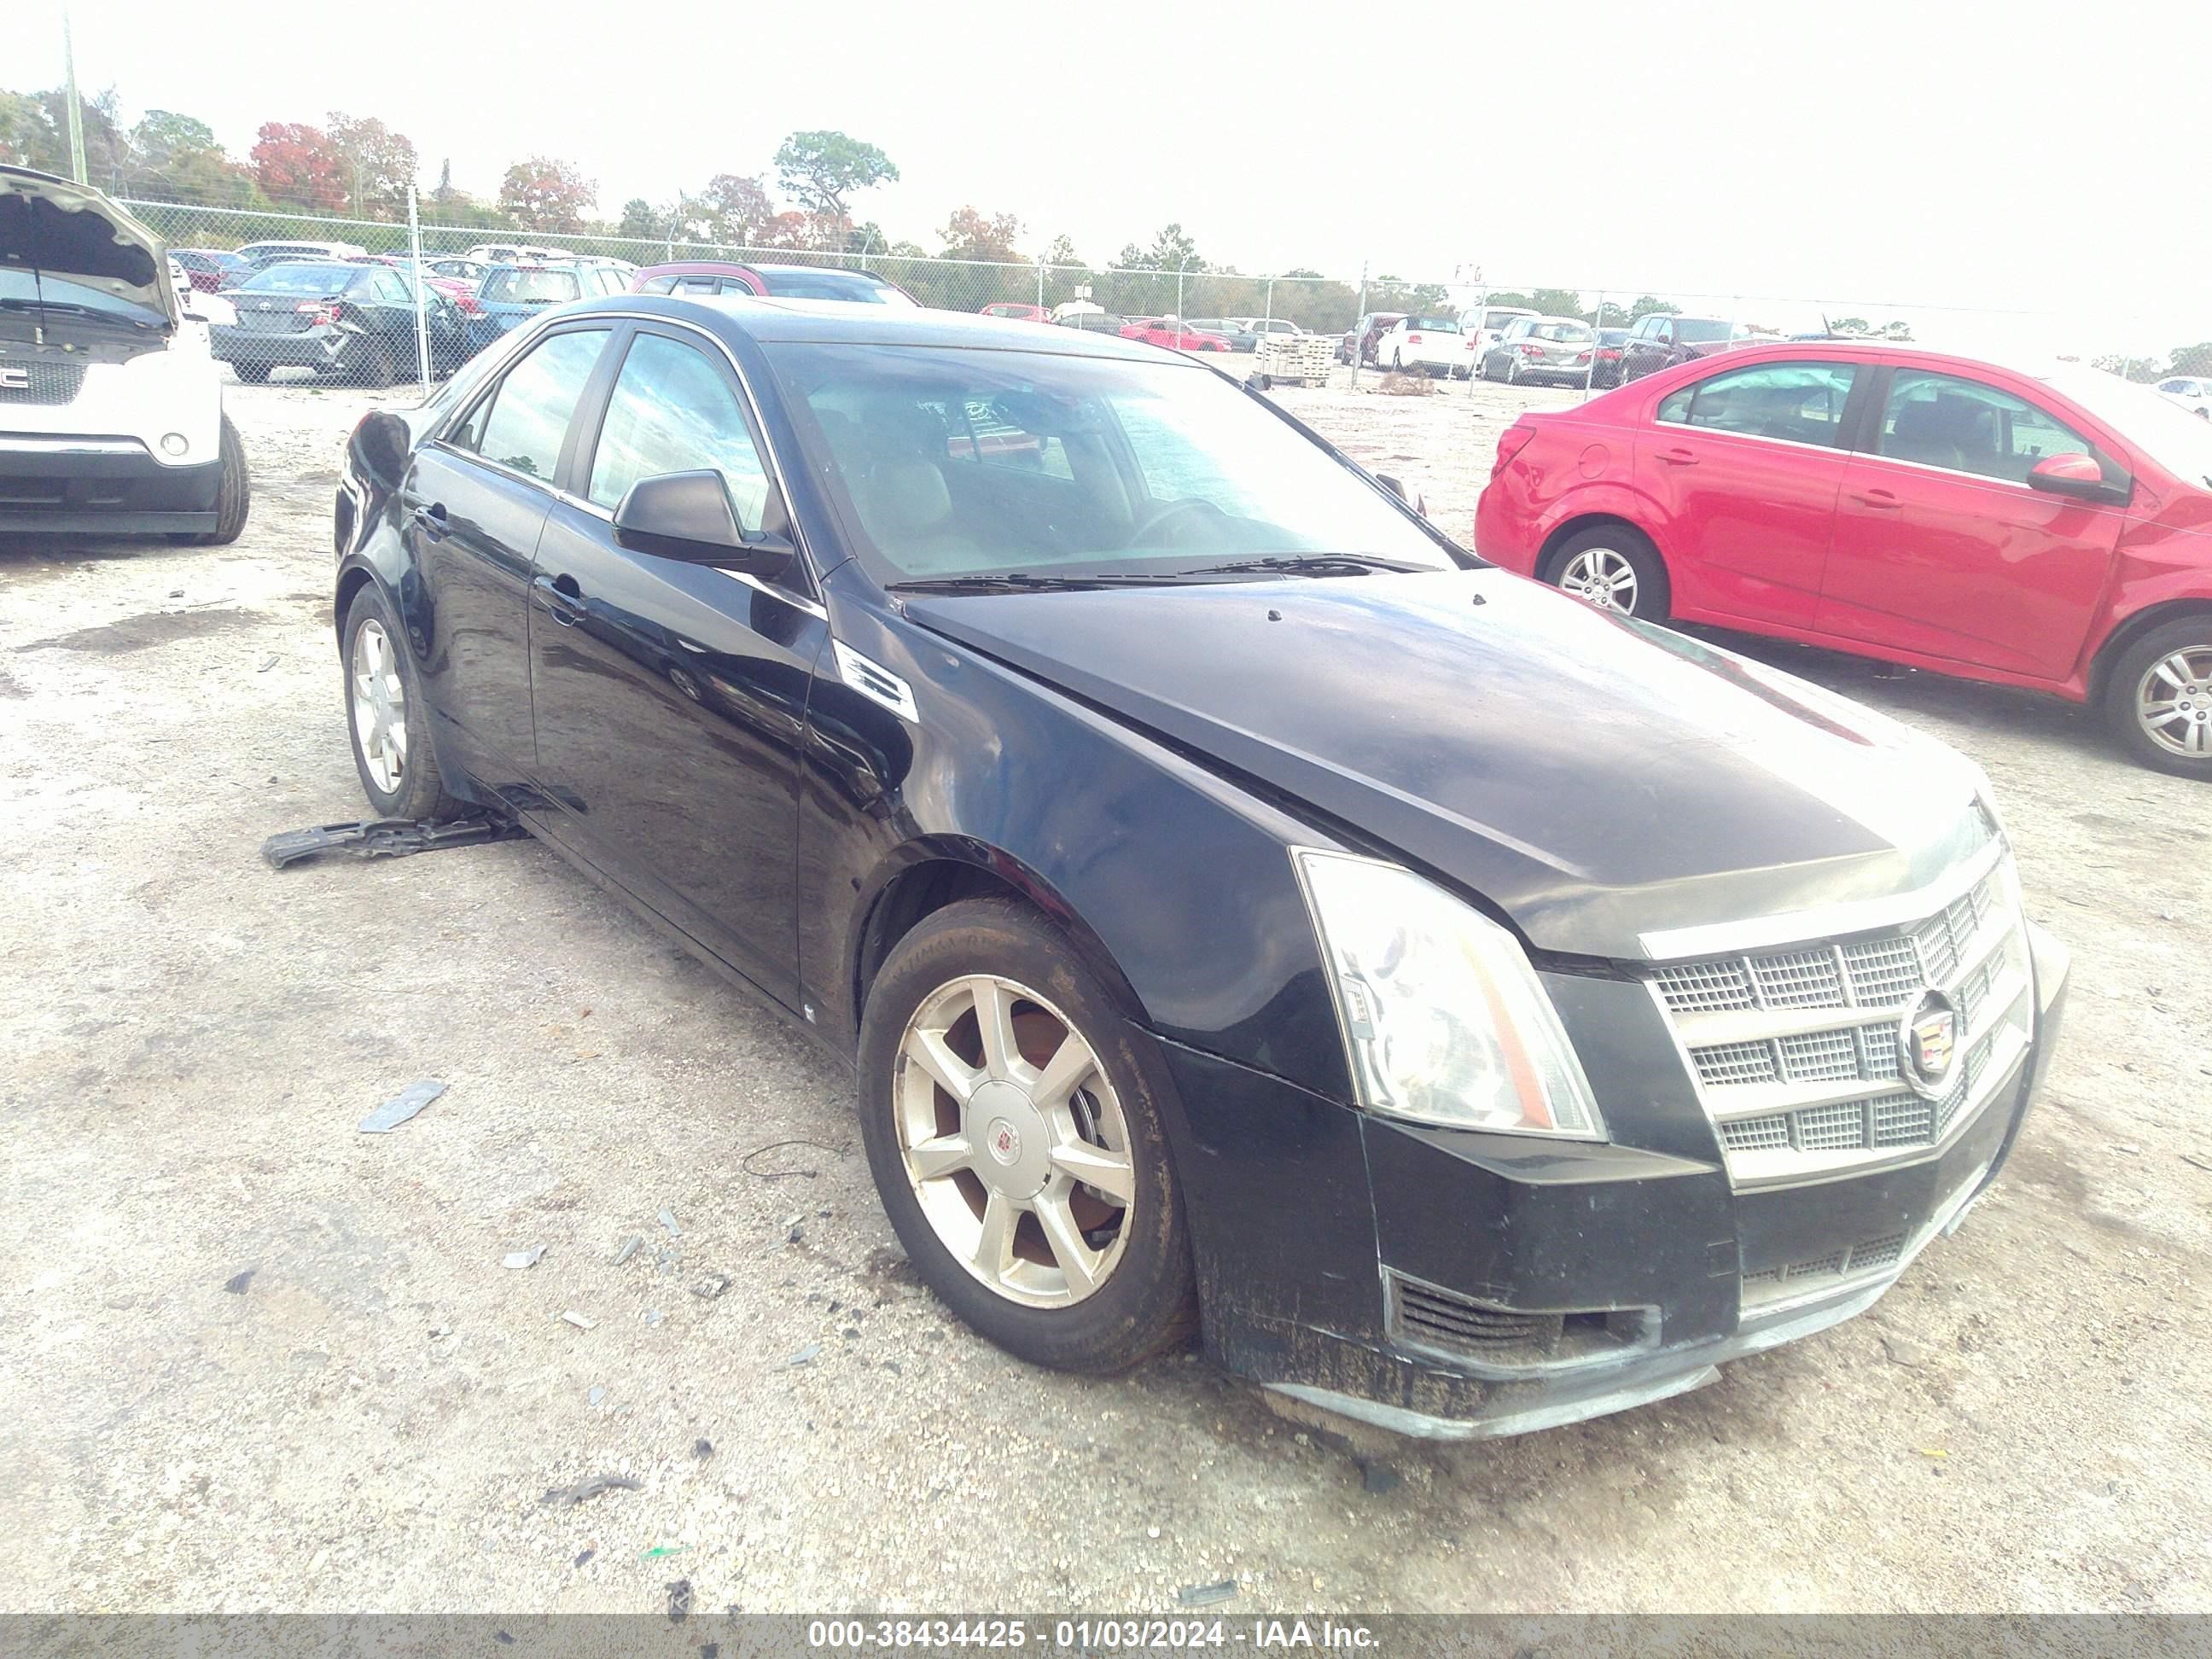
1062,252
1173,249
2193,359
1557,301
823,170
640,221
1646,305
2141,370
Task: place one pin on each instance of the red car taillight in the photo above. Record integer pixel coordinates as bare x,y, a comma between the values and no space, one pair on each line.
319,312
1608,354
1412,339
1511,442
1530,349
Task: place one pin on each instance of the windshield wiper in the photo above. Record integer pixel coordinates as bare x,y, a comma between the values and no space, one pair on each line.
1317,564
1024,581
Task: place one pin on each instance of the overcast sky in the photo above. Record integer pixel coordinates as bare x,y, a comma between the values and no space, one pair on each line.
2004,156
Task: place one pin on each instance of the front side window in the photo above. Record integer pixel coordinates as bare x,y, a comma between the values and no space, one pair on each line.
1943,420
955,462
1802,403
522,426
673,411
1696,331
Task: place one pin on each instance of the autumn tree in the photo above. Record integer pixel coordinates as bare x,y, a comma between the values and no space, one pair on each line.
823,170
380,164
545,194
973,234
1062,252
297,165
733,208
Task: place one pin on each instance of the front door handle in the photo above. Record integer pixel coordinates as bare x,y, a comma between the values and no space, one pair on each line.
1678,457
561,597
1881,501
431,520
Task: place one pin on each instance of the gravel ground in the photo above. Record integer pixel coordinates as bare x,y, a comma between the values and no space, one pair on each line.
255,1360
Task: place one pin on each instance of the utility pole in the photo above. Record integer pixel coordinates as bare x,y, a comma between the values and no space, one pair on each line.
76,115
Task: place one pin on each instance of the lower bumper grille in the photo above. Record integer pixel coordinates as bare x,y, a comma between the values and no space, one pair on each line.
1425,1315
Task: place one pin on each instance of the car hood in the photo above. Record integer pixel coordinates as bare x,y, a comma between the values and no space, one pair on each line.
1596,779
67,232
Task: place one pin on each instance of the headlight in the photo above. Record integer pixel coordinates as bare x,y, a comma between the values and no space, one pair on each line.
1444,1020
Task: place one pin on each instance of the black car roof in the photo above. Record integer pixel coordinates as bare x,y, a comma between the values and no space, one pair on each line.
759,316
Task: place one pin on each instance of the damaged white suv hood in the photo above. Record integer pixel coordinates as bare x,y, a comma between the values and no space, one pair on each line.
79,274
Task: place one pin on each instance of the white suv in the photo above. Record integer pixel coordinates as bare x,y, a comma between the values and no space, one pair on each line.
111,410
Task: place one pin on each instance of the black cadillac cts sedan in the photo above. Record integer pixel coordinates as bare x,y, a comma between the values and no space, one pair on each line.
1245,911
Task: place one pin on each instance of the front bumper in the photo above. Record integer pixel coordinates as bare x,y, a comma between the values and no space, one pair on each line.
101,484
1461,1285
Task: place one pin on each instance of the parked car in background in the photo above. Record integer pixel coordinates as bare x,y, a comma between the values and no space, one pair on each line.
211,268
1358,342
258,254
343,321
1240,337
1606,363
1486,324
1556,350
1661,341
1267,325
2051,530
1013,311
518,253
513,293
1428,345
111,410
1174,335
2191,392
1242,919
701,276
457,279
1093,322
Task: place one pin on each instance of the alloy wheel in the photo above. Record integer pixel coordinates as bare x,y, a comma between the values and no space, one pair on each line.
1014,1140
1604,577
2174,701
380,707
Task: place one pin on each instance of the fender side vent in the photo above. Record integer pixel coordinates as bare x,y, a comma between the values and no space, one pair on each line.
875,681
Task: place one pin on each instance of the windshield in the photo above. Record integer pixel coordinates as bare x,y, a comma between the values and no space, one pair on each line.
2177,440
1696,330
1501,318
1433,325
1567,333
21,286
531,286
298,279
952,463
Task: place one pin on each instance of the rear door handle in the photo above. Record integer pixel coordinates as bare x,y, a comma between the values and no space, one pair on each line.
1880,499
562,598
1678,457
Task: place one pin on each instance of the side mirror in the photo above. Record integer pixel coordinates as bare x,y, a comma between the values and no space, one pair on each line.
381,444
2076,475
687,515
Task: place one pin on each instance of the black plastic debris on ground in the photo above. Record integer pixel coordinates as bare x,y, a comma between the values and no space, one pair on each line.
679,1600
236,1283
1204,1596
568,1497
384,838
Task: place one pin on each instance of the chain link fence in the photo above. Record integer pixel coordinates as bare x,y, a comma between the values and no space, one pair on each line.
1355,310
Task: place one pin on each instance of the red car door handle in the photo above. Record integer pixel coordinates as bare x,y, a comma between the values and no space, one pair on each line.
1678,457
1880,499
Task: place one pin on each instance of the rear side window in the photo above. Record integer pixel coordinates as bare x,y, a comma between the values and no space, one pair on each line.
1941,420
1802,403
659,285
524,422
673,411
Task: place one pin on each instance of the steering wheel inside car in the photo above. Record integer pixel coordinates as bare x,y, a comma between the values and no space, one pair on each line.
1144,532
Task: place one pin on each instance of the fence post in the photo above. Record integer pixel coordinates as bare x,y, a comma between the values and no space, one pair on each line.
1271,299
1597,328
1040,282
422,323
1357,338
1178,294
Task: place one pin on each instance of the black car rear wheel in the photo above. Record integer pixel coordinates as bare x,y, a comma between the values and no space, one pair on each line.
253,373
1012,1113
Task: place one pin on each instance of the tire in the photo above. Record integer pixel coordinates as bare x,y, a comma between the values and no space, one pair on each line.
252,373
2168,669
1513,371
233,494
414,789
1597,555
1025,1297
373,366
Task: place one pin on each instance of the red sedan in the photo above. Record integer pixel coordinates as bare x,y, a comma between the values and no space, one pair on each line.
2049,530
1176,336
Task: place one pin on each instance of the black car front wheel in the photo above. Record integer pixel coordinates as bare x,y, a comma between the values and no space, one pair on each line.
253,373
1012,1113
387,716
